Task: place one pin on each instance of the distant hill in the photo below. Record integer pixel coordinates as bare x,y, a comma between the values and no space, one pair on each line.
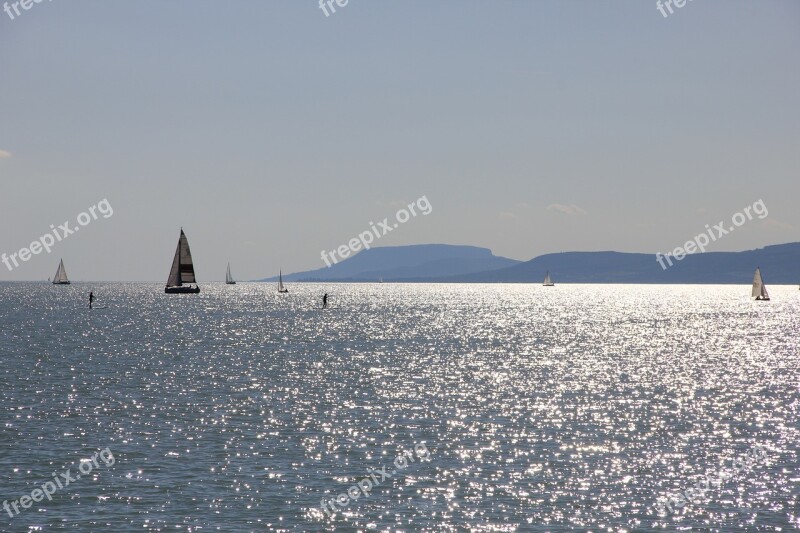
392,263
780,264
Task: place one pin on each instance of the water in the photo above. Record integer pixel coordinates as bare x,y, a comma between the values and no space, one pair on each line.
571,408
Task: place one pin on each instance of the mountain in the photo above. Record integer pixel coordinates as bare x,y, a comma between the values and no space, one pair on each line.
780,264
392,263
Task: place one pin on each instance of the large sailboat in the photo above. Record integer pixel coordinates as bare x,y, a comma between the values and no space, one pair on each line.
182,270
61,275
228,278
281,288
759,291
547,281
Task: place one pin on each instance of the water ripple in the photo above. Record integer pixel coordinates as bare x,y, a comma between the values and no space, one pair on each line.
572,408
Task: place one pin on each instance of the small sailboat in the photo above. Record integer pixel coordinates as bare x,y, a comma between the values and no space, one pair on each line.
547,281
61,275
759,291
228,278
182,270
281,288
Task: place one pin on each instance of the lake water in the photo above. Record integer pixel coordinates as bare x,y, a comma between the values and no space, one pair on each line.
522,408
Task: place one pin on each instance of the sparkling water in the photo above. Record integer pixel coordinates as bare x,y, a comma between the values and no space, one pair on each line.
566,408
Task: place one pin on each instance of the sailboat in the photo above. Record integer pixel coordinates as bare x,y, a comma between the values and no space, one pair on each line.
61,275
547,281
281,288
759,291
228,278
182,270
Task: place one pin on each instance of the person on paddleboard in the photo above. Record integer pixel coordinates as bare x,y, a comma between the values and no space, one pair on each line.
91,299
325,301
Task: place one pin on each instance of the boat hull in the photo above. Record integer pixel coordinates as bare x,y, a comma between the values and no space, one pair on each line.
182,290
284,291
61,283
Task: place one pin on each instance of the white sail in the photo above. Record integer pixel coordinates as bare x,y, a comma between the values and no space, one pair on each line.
281,288
759,291
182,267
61,275
547,281
228,277
757,284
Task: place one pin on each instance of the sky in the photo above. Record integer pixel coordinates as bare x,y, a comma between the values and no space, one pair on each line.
269,131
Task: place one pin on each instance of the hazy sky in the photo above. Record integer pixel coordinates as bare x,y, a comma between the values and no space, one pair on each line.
270,131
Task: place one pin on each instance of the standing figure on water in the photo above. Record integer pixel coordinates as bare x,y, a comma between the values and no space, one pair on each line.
91,299
325,301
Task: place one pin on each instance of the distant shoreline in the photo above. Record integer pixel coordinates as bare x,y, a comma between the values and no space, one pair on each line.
346,282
